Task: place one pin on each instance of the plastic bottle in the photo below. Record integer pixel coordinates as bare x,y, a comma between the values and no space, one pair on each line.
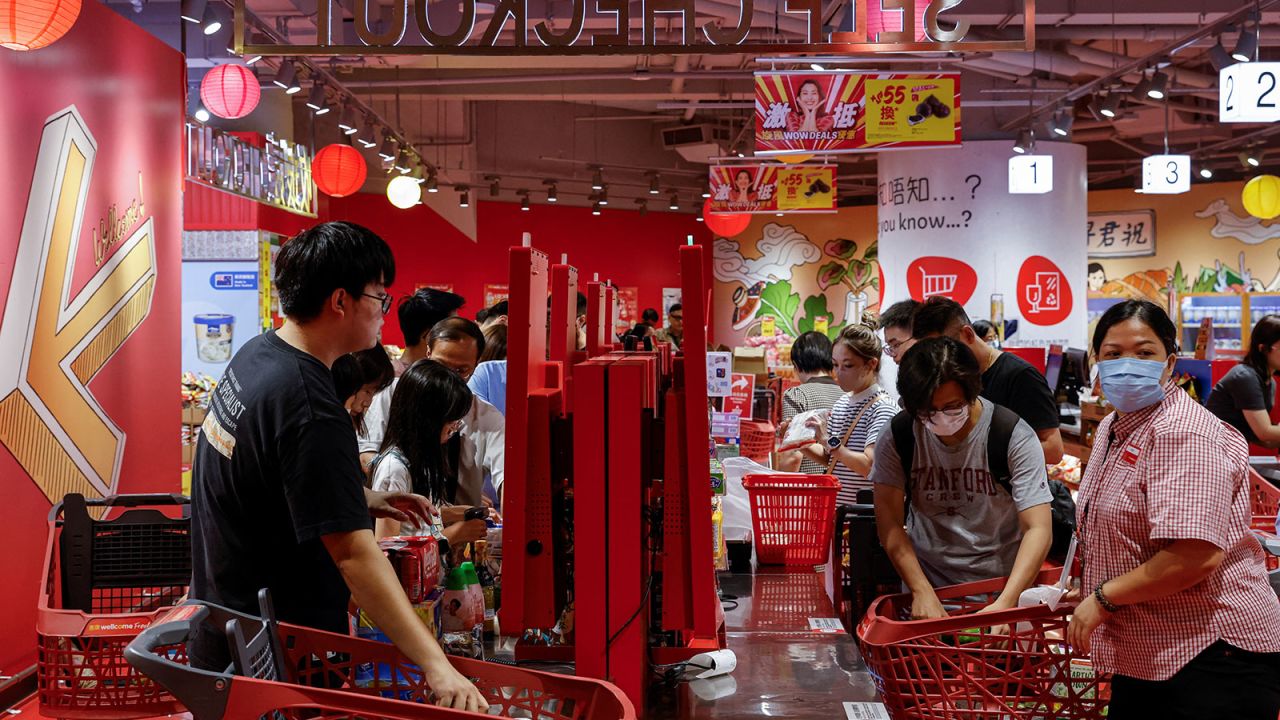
486,586
457,603
476,615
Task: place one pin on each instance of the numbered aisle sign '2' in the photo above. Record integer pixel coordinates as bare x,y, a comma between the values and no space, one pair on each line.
1249,92
1166,174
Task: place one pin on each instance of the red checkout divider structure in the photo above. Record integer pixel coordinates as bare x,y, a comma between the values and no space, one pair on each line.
608,488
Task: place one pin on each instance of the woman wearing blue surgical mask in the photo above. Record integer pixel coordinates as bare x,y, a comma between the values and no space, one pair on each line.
1176,604
973,474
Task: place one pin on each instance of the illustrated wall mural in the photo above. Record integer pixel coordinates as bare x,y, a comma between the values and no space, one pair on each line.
796,273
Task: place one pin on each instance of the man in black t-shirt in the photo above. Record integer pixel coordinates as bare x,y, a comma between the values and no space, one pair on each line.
278,499
1007,379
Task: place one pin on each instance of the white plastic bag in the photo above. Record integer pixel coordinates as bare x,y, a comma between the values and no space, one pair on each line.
799,433
737,504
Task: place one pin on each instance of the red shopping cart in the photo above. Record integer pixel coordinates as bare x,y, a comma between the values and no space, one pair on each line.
277,671
1013,665
104,582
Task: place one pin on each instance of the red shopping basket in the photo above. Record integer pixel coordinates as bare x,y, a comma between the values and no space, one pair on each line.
962,668
758,439
792,517
362,679
1265,501
104,582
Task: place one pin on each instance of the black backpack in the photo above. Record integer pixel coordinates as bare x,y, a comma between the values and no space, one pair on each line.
1062,507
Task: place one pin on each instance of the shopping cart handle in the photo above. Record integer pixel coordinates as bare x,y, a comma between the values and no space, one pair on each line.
878,630
203,692
127,501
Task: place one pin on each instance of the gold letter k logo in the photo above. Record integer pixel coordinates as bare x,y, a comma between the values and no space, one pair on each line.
53,344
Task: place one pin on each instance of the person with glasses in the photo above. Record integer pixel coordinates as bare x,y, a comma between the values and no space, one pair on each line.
278,498
895,326
972,475
426,414
674,331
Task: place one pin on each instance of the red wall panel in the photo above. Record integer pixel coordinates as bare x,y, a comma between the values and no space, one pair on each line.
623,246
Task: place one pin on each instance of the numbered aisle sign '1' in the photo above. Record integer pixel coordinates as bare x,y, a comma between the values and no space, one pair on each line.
1248,92
1166,174
1030,174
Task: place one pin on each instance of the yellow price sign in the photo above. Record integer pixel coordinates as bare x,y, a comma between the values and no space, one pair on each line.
807,188
911,109
821,325
768,326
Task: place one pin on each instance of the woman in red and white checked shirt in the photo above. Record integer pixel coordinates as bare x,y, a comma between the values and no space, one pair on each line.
1176,601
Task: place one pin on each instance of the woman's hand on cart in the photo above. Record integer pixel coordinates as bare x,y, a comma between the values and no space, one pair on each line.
400,506
1087,616
997,606
452,690
926,606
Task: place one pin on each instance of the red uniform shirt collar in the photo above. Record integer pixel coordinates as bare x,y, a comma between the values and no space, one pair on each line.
1124,425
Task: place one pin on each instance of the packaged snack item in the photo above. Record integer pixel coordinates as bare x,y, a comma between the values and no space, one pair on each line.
799,433
417,564
487,587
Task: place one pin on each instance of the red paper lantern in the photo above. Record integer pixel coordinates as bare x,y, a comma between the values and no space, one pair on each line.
339,170
33,24
230,91
724,224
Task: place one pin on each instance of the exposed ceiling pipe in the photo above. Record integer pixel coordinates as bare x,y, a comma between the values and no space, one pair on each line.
555,77
1144,33
1107,60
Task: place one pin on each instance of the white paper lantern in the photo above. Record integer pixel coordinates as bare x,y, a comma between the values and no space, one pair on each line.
404,192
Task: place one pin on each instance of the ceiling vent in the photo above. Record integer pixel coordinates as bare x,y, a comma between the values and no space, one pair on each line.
696,143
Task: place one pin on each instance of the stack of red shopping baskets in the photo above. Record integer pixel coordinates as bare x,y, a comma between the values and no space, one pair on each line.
792,517
1265,501
104,582
285,672
1009,665
757,441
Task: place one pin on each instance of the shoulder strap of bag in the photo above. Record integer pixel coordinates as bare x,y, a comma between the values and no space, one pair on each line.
904,441
1003,422
831,460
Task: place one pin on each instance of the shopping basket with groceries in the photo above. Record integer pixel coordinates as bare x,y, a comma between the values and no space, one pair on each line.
1009,665
285,672
107,576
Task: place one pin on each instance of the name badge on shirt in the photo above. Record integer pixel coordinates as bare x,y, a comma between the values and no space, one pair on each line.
1129,455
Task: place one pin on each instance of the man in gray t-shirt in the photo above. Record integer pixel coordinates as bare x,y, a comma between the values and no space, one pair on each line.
963,523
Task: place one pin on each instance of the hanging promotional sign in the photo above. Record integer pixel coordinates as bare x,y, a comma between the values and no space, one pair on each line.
848,112
948,226
761,188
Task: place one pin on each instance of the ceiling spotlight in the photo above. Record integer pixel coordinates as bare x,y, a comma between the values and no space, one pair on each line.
597,180
1061,123
595,209
1206,172
464,197
551,190
402,162
740,154
1219,56
817,67
604,196
316,100
1095,108
780,214
1025,143
349,123
388,150
675,202
643,206
1140,90
252,59
1159,86
368,138
1110,107
524,201
418,175
1248,159
706,192
698,217
201,114
1247,46
212,22
193,10
653,184
287,77
495,187
433,185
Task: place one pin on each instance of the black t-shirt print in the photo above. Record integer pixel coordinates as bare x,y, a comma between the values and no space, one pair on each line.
1017,385
276,469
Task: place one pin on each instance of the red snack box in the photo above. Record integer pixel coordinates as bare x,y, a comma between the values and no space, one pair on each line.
417,563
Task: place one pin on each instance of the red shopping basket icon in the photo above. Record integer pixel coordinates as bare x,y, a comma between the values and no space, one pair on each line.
286,672
1012,664
792,517
105,581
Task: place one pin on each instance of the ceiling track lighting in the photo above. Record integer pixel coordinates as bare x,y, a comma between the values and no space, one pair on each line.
698,217
1219,57
252,59
595,209
604,196
706,192
1159,86
287,77
1140,90
316,100
495,186
433,184
654,181
675,202
524,200
1248,159
388,150
418,175
368,137
1206,172
192,11
642,206
1061,123
1095,108
349,123
464,196
201,113
210,21
1025,143
1247,45
597,180
403,163
1110,107
551,190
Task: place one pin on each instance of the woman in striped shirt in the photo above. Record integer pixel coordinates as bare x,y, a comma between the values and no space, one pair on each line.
845,443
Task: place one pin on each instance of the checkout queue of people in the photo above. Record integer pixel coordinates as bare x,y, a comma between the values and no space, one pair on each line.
1175,601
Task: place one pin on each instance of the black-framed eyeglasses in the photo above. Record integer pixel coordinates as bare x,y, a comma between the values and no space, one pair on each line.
384,299
950,412
677,317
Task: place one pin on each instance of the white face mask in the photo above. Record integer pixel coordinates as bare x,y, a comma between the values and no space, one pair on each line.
945,426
